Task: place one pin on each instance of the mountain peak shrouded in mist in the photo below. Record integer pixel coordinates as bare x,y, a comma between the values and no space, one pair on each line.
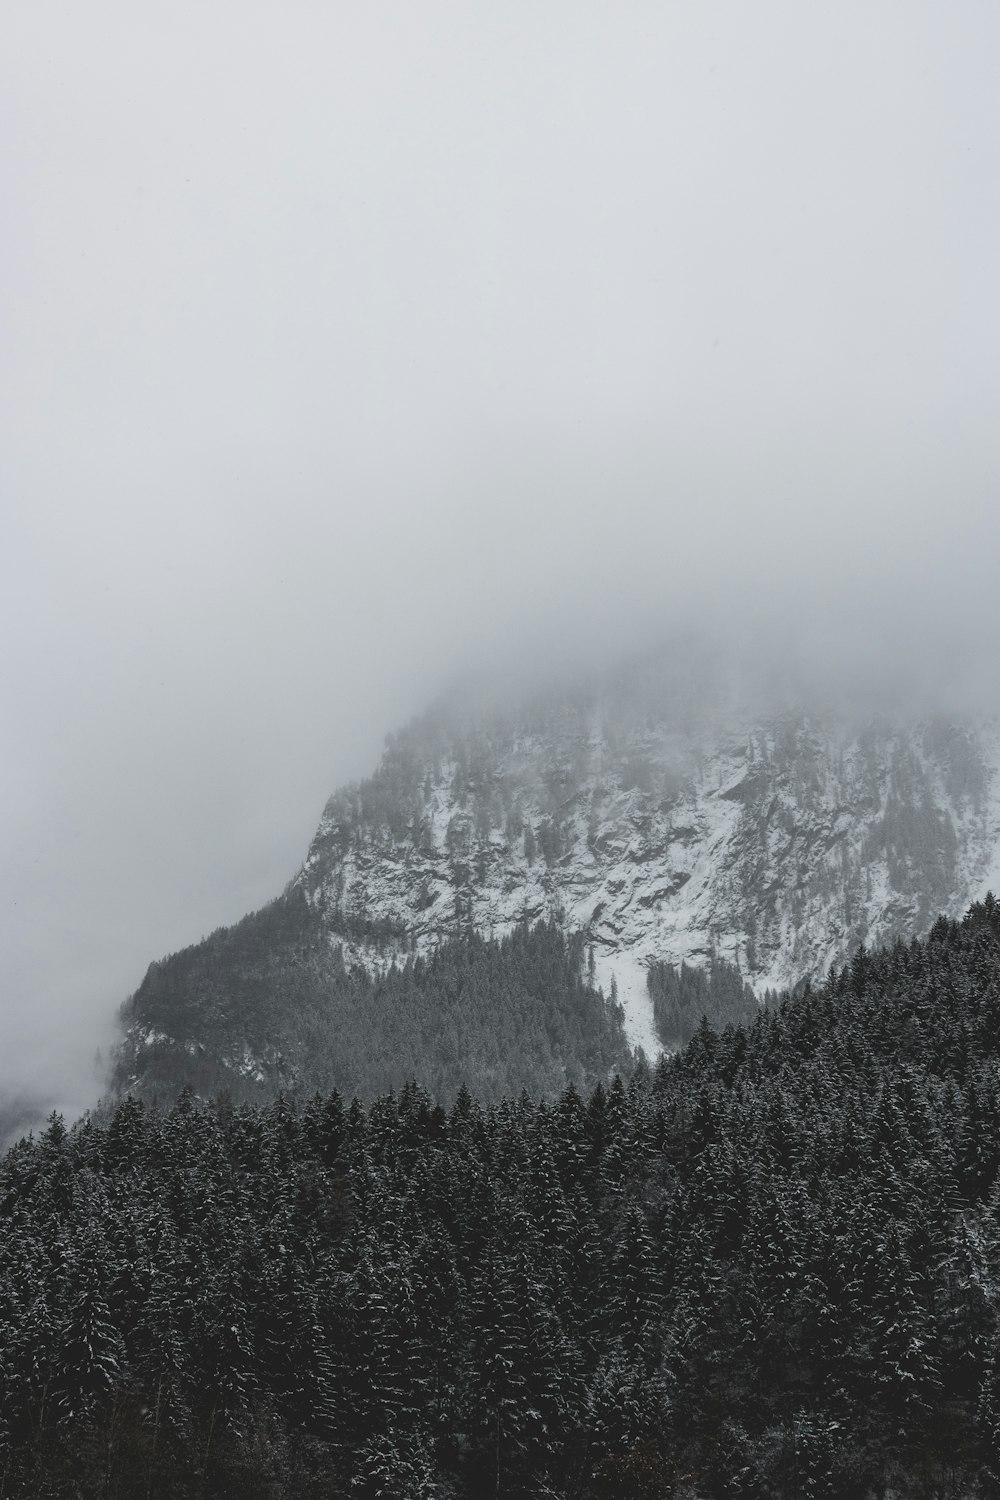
582,1089
668,818
354,346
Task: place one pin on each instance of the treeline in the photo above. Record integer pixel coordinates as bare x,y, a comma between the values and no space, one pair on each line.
269,1005
769,1268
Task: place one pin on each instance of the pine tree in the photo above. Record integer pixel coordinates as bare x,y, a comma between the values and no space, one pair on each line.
90,1354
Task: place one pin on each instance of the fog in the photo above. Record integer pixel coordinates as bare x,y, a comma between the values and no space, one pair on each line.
348,349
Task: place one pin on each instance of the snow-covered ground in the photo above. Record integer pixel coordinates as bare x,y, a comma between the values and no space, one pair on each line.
629,975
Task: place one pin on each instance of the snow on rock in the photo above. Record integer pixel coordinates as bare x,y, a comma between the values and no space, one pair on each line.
989,874
776,842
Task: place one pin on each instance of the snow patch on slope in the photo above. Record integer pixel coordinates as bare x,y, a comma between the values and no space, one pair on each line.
629,976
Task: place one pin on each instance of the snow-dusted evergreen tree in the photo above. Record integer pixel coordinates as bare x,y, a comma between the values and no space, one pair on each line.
766,1267
90,1362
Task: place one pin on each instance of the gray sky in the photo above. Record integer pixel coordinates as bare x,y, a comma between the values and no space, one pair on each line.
345,344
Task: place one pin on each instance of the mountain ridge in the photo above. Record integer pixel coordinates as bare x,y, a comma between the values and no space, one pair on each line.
652,818
779,843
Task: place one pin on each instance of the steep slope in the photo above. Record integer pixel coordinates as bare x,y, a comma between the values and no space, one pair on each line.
653,820
778,842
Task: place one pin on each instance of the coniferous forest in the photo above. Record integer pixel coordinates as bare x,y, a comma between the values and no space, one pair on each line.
768,1268
270,1006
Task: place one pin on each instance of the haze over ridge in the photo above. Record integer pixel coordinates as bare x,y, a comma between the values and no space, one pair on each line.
345,352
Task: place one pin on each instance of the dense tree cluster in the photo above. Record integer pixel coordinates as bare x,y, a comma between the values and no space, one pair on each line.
270,1005
683,996
769,1268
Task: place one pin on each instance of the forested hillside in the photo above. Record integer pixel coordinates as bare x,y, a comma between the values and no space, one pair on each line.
271,1005
770,1267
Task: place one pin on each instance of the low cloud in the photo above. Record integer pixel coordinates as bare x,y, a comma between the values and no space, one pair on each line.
354,352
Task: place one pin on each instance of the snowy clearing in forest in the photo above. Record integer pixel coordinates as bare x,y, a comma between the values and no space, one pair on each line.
629,974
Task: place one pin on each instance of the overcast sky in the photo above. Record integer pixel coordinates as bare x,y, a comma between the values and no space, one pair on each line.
346,344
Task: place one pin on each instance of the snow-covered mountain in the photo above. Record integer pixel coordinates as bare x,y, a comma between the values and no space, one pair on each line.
650,816
779,841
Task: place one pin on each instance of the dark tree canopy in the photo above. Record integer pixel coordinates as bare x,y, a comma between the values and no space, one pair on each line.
769,1267
270,1005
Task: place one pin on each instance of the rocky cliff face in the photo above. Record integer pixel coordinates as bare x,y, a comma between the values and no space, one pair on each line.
777,840
652,817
